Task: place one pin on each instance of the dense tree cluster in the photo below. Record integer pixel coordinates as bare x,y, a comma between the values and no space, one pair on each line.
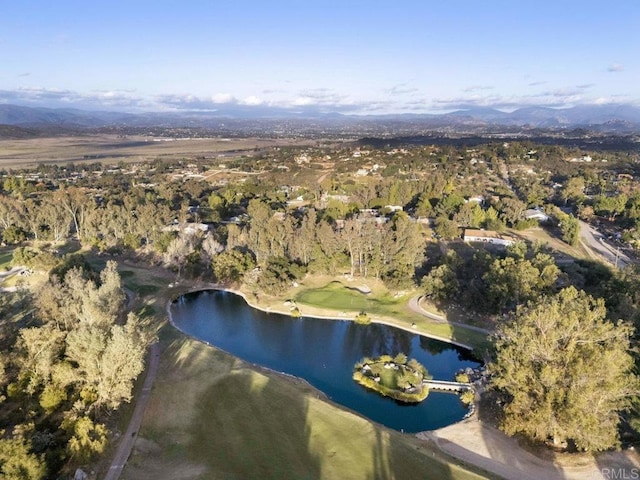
389,250
492,282
132,221
66,365
76,361
566,371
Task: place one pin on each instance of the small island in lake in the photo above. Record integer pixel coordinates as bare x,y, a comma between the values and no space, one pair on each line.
393,377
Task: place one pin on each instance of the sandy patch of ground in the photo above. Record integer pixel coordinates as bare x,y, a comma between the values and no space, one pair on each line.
488,448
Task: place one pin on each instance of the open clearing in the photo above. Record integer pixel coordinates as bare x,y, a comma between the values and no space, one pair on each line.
337,296
210,416
107,148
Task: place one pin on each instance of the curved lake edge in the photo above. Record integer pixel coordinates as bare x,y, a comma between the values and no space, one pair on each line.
337,316
290,377
270,371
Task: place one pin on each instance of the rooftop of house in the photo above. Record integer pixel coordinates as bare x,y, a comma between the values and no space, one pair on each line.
474,232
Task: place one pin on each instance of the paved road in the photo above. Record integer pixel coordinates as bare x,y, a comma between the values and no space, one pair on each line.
599,244
126,443
8,273
488,448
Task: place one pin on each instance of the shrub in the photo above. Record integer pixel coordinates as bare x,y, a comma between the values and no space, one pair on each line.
75,260
231,265
362,318
88,439
51,397
13,235
23,257
279,273
400,359
132,241
467,397
526,224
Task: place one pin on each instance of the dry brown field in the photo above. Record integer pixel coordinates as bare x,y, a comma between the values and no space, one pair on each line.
107,148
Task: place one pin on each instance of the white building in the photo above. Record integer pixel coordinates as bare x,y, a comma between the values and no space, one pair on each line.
187,228
394,208
537,214
487,236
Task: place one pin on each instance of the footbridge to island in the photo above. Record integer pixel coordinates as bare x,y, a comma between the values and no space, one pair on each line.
447,386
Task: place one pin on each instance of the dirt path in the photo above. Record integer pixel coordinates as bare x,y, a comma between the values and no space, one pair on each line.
322,177
414,305
8,274
129,438
479,444
486,447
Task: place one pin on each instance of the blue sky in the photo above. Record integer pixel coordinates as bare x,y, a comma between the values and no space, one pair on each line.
348,56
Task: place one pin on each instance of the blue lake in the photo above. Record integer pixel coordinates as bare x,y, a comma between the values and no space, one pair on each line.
323,352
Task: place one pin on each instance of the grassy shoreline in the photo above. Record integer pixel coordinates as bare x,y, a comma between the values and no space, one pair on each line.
213,416
390,311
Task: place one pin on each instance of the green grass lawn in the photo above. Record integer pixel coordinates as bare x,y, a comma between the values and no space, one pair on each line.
337,297
211,417
141,289
141,281
6,255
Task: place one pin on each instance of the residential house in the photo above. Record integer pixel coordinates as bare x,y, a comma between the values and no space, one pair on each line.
537,214
487,236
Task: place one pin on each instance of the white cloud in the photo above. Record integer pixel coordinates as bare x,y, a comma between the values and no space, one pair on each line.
604,101
400,89
55,97
566,92
615,67
251,100
304,101
324,97
223,98
475,88
557,98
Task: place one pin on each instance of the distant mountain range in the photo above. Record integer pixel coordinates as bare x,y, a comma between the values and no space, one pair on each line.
604,118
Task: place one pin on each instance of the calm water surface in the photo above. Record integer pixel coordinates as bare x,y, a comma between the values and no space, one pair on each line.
323,352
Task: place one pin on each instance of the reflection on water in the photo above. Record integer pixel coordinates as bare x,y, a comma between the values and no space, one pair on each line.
323,352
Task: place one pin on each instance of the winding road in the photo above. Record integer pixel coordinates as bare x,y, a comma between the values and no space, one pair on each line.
414,305
17,270
597,242
486,447
126,444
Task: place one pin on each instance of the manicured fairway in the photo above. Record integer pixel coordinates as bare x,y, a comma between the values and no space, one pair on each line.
340,298
336,296
212,417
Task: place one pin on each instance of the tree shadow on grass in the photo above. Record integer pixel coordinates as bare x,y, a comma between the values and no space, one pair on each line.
511,455
624,464
399,456
249,426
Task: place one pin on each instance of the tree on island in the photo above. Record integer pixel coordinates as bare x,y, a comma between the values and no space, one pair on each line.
393,377
565,372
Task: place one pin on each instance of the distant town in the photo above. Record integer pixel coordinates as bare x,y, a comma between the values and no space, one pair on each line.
518,247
